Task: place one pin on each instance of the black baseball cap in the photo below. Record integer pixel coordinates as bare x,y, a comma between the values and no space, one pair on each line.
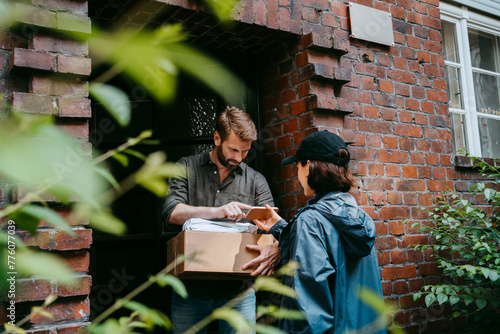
321,146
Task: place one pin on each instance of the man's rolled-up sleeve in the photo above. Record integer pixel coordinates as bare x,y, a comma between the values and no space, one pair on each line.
177,193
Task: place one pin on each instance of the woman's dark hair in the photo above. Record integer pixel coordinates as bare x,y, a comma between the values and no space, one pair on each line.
326,176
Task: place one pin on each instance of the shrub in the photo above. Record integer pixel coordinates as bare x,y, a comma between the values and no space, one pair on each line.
467,249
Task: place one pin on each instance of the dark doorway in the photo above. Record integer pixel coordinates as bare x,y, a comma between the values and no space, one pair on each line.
121,263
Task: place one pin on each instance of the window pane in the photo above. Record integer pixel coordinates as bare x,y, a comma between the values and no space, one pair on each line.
489,130
450,42
454,84
458,127
484,50
487,93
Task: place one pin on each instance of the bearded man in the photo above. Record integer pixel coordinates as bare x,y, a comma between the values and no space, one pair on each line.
219,186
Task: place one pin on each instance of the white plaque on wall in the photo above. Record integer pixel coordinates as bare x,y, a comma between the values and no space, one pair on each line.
370,24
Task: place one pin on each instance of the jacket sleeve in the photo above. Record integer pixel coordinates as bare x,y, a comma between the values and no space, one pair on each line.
315,279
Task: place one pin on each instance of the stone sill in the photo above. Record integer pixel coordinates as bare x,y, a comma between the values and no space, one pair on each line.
468,162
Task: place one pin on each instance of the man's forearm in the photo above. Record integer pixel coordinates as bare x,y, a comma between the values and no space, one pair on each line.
183,212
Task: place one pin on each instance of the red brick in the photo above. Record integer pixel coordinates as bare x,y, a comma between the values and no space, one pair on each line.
436,185
63,310
411,240
57,239
415,255
386,86
410,172
406,271
387,288
394,199
401,287
382,243
32,289
394,213
34,103
58,86
377,198
408,302
396,228
73,64
425,269
69,107
374,126
31,59
408,130
389,273
77,261
393,170
392,156
59,45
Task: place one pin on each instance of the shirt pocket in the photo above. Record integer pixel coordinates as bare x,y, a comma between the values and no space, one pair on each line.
225,198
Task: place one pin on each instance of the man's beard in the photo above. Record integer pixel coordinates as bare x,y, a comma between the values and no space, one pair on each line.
225,162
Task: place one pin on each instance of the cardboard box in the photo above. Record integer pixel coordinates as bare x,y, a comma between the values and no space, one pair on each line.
214,255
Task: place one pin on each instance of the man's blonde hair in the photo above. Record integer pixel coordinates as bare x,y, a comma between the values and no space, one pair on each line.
237,121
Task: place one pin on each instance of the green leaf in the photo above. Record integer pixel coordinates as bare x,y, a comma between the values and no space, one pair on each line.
414,225
481,303
454,300
175,283
468,300
106,222
486,272
42,213
274,285
429,299
135,153
121,158
262,329
372,299
494,276
442,298
233,317
114,100
417,296
13,329
107,176
43,264
489,193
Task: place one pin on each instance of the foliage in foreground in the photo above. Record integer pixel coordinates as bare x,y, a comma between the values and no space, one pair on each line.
467,248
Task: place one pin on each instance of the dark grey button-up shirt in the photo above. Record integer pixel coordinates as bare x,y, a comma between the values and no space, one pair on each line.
203,186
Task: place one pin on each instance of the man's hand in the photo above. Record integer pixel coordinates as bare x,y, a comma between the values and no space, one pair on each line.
232,211
267,260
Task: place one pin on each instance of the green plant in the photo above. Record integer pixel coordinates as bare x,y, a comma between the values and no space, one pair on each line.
466,247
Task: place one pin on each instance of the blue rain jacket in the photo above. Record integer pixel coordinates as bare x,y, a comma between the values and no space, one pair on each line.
332,240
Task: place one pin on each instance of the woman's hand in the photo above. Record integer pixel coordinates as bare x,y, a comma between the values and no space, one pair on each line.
268,223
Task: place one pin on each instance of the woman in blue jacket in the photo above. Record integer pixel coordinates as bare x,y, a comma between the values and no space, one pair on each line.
332,240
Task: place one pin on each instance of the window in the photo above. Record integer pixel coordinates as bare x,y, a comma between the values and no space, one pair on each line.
472,60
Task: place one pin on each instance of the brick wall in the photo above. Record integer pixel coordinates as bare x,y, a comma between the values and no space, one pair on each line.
389,104
42,71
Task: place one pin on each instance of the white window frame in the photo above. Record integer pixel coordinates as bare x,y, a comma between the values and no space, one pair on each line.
464,19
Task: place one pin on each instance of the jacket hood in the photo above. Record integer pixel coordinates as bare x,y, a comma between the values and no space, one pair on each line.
356,228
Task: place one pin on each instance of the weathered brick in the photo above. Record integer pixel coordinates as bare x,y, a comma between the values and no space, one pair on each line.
77,261
57,239
34,103
53,85
25,58
67,5
63,310
32,289
72,22
35,15
53,44
73,64
75,128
